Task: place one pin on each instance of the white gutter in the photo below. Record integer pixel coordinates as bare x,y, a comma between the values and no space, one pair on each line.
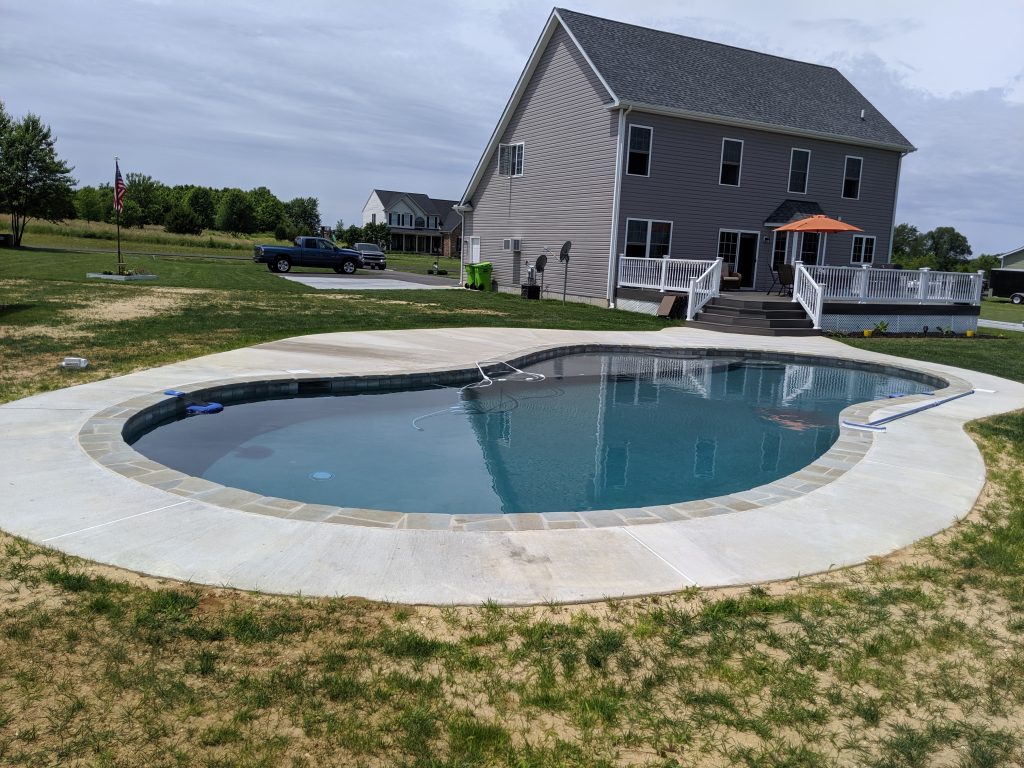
705,117
613,260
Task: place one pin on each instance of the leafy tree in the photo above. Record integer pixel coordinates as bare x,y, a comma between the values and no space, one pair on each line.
285,230
148,195
986,262
34,182
305,214
379,233
200,201
131,215
907,244
182,220
89,204
267,210
235,214
947,247
353,235
339,227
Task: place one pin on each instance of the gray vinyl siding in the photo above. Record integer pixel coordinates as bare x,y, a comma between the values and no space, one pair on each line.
565,192
683,187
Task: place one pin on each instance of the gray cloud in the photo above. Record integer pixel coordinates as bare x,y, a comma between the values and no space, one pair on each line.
317,98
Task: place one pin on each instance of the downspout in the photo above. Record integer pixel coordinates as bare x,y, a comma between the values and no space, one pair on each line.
461,210
895,197
613,258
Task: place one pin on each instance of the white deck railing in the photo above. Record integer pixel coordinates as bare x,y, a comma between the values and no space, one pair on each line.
809,293
703,288
897,286
660,274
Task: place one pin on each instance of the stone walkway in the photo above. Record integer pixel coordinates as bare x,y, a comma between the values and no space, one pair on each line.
913,480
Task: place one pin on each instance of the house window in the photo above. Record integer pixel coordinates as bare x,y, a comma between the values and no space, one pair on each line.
809,246
732,159
510,159
779,249
863,249
373,217
851,178
799,165
639,161
645,238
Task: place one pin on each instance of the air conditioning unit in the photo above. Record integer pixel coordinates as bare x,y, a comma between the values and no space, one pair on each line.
512,244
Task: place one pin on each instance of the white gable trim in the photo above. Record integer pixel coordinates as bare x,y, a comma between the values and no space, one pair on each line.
554,20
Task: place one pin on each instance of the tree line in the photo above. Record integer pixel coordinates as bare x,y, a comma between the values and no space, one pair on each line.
187,209
942,249
36,184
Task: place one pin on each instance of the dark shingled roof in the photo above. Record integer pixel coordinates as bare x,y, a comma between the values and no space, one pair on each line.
790,210
429,205
647,66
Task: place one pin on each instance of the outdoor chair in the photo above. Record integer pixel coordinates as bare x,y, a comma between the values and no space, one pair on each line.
782,277
730,279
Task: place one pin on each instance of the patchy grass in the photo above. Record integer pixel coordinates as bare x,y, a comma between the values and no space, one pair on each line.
912,660
48,310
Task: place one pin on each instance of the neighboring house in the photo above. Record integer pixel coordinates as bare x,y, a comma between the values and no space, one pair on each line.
419,224
1012,259
638,144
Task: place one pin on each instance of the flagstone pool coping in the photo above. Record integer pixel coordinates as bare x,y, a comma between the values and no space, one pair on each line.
72,483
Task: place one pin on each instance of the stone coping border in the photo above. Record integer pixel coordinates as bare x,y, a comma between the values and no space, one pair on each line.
105,437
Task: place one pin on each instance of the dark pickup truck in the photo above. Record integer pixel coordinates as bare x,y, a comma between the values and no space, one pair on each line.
308,252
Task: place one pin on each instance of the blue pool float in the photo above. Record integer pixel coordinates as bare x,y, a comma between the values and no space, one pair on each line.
194,407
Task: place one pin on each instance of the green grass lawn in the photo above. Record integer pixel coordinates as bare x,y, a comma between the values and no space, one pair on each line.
420,263
48,309
1002,309
912,660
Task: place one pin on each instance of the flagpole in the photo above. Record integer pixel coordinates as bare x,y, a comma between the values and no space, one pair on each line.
117,211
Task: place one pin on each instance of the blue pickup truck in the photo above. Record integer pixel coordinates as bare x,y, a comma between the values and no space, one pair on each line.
308,252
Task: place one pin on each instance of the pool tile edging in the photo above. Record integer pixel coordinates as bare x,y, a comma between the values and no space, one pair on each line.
103,438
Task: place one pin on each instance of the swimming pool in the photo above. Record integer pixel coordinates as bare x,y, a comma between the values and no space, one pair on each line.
587,431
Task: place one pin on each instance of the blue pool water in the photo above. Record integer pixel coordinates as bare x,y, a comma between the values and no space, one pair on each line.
600,431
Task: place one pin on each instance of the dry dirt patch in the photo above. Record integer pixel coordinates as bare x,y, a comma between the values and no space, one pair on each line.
153,302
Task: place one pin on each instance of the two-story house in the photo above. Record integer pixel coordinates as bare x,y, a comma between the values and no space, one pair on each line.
633,143
419,224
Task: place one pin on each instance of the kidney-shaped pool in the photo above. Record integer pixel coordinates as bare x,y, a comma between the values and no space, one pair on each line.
574,433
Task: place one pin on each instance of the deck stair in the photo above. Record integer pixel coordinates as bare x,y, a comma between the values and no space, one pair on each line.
756,314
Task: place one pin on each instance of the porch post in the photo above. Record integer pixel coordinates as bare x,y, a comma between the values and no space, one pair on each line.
922,284
862,289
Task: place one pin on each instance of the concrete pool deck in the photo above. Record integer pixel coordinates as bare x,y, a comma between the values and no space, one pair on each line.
913,480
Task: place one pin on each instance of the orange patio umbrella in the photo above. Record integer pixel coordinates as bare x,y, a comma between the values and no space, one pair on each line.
819,222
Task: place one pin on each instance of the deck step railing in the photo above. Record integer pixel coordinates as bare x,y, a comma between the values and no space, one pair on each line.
660,274
808,293
703,288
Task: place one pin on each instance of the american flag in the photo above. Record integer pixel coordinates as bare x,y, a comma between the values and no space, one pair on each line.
119,188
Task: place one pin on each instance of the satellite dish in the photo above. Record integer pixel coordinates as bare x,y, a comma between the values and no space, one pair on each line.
563,255
542,261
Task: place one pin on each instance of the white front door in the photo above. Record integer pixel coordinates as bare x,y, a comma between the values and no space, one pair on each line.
474,250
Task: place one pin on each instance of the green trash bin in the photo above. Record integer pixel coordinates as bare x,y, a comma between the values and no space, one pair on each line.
483,275
471,275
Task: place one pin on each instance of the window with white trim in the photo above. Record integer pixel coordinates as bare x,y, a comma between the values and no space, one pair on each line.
648,238
510,159
639,161
732,161
799,167
851,177
863,249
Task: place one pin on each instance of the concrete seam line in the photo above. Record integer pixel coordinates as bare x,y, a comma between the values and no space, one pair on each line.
666,562
112,522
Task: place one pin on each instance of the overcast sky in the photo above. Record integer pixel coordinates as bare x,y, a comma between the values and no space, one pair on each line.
333,99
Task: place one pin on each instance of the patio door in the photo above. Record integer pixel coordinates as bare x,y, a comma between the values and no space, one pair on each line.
739,251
